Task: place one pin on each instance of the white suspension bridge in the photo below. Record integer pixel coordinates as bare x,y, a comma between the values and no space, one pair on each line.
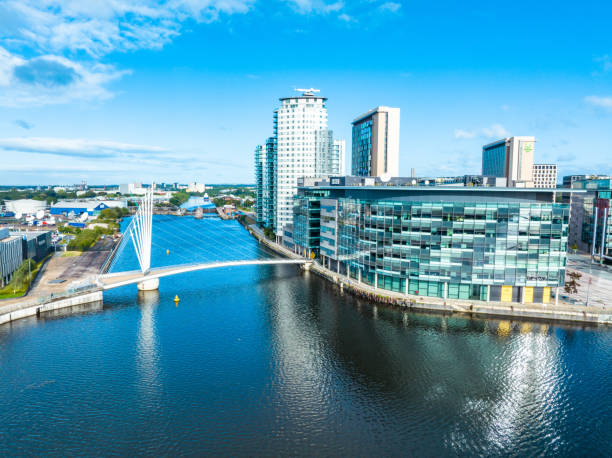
140,232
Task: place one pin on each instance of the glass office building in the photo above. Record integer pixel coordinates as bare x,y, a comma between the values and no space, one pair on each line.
499,244
593,219
494,159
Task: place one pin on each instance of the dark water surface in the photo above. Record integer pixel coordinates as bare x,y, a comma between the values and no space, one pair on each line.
271,361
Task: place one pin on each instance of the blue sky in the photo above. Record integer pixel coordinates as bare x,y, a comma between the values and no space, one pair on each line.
182,90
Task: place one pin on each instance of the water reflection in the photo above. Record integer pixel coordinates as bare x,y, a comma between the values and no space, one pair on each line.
147,357
488,385
271,361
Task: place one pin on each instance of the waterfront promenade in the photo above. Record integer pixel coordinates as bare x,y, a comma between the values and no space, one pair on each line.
563,310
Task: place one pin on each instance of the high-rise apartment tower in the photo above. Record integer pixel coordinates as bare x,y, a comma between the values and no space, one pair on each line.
375,146
301,146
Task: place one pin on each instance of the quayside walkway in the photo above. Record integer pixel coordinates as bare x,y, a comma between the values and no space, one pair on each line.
552,312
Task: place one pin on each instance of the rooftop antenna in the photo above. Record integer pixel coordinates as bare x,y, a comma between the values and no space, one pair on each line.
311,91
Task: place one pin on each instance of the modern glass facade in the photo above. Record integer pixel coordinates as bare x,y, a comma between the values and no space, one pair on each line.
595,215
362,148
489,248
494,159
307,224
265,183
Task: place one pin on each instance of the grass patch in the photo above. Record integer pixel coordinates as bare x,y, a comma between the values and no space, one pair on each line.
71,254
22,279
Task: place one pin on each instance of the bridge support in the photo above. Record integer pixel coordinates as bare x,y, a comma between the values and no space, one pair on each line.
141,230
149,285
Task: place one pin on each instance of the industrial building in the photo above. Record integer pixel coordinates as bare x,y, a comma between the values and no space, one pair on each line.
78,207
485,243
23,207
11,255
35,244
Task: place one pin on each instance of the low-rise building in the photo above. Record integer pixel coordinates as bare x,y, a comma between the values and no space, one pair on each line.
78,207
23,207
545,176
196,187
11,255
484,243
34,244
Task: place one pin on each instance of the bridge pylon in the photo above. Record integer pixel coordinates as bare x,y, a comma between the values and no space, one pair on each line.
141,231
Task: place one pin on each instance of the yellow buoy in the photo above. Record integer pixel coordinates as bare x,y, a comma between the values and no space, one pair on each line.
167,251
176,299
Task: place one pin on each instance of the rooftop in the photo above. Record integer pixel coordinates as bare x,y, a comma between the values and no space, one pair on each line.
29,235
76,203
372,111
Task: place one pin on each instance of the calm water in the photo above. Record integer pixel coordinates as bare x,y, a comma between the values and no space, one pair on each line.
271,361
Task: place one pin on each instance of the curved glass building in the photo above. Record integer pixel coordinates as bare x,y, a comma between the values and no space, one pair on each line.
499,244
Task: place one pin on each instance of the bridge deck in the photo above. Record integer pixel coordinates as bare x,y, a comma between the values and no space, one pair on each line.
115,280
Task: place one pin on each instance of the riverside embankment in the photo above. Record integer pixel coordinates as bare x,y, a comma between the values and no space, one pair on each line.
551,312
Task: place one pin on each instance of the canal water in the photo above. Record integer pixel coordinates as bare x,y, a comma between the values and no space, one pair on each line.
267,360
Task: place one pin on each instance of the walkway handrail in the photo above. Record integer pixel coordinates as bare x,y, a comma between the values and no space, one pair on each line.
174,270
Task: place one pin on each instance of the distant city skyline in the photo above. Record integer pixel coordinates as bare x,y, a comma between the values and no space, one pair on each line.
182,91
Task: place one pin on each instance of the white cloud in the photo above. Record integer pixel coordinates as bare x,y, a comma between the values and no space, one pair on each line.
51,79
346,18
391,6
316,6
597,101
493,131
78,147
66,40
103,26
463,134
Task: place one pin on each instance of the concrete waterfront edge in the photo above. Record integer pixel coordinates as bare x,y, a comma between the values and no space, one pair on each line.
34,310
418,303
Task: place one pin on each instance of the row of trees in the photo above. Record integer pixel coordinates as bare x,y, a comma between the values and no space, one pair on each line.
179,198
21,280
86,238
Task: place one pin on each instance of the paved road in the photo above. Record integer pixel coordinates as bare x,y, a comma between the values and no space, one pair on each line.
73,270
595,283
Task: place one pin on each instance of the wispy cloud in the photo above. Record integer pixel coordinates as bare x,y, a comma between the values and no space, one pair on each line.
23,124
605,61
493,131
316,6
464,134
392,7
598,101
76,147
346,18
